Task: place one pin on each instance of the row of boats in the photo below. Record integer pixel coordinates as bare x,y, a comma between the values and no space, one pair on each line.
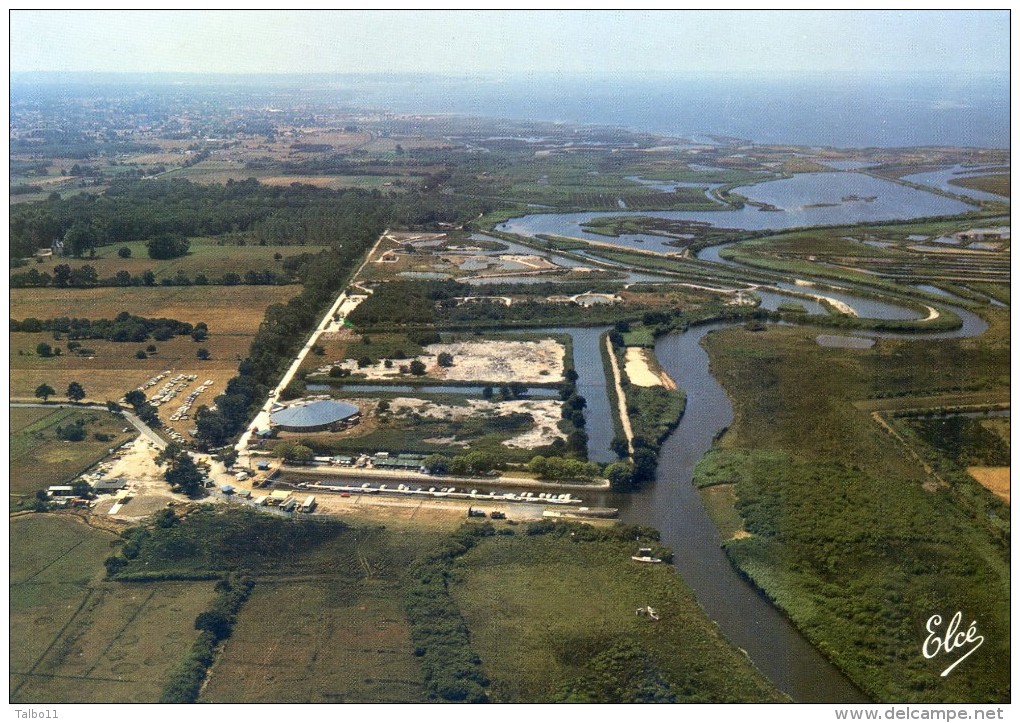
448,492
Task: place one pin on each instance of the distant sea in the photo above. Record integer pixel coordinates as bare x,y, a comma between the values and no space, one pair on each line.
834,110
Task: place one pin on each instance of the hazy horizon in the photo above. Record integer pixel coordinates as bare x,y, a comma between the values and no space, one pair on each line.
500,43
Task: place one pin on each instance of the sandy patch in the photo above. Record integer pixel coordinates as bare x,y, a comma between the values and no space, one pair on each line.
147,490
841,307
502,361
993,479
546,413
638,370
499,362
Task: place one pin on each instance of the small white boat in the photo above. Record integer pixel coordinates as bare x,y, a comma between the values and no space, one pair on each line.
645,555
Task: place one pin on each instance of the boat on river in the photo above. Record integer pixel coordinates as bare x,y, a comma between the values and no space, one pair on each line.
644,554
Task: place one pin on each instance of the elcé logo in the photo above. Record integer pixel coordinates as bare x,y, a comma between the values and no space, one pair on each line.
937,642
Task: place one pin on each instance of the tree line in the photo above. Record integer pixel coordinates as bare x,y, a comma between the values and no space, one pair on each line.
124,328
132,210
86,277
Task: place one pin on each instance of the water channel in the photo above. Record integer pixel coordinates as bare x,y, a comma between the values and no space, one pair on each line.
674,506
942,179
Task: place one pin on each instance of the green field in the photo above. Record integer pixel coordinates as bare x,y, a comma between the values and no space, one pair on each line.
841,520
324,623
39,459
995,183
337,613
535,622
210,256
999,426
314,641
77,639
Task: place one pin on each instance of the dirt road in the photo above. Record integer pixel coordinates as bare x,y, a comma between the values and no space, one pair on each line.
621,399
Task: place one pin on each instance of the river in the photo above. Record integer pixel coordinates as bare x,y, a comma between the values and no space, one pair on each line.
807,199
674,506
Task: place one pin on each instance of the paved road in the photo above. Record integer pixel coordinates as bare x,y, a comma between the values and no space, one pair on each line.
261,420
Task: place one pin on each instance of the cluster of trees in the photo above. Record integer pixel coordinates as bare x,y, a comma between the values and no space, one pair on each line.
125,327
73,432
294,452
142,409
408,302
86,277
452,671
168,246
60,143
431,302
573,412
513,390
45,351
625,673
132,210
535,311
182,473
563,468
64,276
75,392
473,463
216,624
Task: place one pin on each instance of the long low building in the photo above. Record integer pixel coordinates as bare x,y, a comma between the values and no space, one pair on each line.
315,416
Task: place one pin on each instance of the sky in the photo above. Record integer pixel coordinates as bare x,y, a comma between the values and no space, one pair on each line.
502,42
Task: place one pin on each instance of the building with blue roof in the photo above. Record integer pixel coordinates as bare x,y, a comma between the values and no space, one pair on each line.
315,416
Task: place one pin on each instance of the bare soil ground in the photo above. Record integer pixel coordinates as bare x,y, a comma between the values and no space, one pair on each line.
149,491
546,413
434,513
501,361
637,368
497,362
993,479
